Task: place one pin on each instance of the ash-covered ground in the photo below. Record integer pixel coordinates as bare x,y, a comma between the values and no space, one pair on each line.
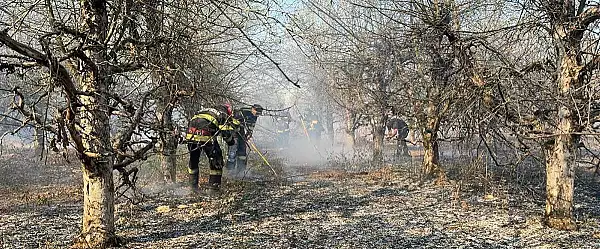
305,206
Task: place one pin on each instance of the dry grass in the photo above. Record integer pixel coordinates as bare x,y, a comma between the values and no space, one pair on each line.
327,208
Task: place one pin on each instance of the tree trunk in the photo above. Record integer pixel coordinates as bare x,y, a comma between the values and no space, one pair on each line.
97,161
329,125
559,177
560,159
441,39
163,78
350,128
168,148
98,204
431,155
38,141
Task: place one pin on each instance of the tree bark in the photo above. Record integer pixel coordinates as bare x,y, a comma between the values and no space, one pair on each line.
168,148
560,158
97,161
431,155
164,78
350,128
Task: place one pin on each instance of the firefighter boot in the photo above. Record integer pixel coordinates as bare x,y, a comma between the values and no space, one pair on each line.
231,158
193,180
214,183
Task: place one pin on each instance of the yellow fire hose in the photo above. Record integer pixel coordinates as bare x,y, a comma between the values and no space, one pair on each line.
253,147
306,133
303,125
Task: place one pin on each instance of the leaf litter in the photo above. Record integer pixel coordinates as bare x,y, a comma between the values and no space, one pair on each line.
327,208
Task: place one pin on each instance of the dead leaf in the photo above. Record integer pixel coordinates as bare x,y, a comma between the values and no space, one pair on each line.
163,209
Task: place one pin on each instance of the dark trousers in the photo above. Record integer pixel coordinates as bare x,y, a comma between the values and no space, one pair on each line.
215,159
237,154
401,149
315,138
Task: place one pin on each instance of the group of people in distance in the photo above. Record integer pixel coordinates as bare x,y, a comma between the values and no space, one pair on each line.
312,128
236,128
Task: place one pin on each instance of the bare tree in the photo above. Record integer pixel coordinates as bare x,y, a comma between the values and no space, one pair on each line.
358,49
559,90
435,37
390,54
544,90
568,22
84,48
99,56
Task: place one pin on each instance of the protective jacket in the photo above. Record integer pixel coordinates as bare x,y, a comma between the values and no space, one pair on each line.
283,123
401,131
207,124
395,123
201,136
246,120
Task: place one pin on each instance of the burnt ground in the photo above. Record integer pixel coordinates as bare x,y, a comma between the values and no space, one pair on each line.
325,207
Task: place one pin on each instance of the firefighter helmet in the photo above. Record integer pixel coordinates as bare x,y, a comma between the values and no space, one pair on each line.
228,108
258,108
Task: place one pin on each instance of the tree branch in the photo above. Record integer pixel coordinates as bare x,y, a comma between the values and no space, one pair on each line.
587,17
128,133
22,49
11,67
18,104
137,155
62,75
277,64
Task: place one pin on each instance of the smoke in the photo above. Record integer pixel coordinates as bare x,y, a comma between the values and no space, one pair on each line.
312,101
161,188
301,150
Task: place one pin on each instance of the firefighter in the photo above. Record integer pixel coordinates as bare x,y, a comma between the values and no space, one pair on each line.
203,129
247,117
315,128
398,129
283,129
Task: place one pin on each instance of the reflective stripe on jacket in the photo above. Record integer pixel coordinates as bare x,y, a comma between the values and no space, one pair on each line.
197,138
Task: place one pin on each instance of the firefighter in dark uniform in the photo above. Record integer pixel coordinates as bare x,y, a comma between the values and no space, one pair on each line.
398,129
314,128
283,129
247,117
203,129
